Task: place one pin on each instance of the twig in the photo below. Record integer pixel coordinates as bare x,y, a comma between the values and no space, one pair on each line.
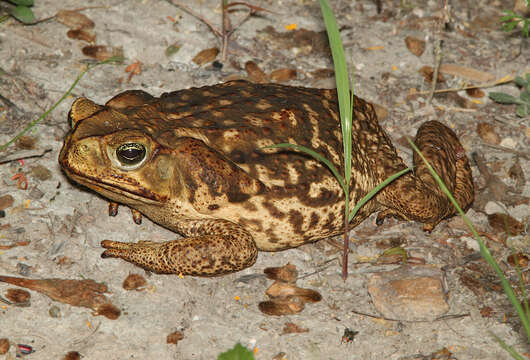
25,154
196,15
227,28
444,317
524,154
438,52
503,80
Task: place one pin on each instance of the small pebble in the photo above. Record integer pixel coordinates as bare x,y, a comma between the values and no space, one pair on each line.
54,312
23,269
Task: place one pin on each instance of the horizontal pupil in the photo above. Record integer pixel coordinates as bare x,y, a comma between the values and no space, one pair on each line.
130,153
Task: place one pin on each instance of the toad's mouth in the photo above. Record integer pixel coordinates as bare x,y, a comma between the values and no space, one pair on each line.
114,191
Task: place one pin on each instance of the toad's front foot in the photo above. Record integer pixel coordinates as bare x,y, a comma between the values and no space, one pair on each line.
200,255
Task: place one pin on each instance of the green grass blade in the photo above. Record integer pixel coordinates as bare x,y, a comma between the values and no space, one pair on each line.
483,249
375,190
47,112
508,348
343,86
317,156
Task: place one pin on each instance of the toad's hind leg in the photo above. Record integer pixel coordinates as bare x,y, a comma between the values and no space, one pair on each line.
214,247
416,195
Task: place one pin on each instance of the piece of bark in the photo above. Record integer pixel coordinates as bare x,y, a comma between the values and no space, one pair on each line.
85,293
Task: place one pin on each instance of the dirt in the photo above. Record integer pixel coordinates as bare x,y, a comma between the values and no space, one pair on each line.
56,227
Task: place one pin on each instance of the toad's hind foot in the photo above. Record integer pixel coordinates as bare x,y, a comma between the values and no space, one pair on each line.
416,195
219,253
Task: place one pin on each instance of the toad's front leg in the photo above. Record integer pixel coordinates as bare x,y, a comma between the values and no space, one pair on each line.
212,247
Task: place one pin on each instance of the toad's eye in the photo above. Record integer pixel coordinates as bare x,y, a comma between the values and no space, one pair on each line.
130,153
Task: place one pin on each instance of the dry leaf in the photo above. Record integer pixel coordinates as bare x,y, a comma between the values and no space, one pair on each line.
134,282
108,310
4,346
475,93
174,337
101,52
503,223
323,73
278,307
255,74
466,73
486,311
74,19
415,46
487,133
206,56
281,289
79,34
26,142
292,328
134,69
19,297
428,73
86,293
520,258
286,273
6,201
283,75
72,355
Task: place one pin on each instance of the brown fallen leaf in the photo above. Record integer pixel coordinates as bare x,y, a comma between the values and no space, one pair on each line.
4,346
255,74
175,337
292,328
520,259
72,355
108,310
466,73
19,297
415,45
101,52
428,73
286,273
26,142
205,56
134,282
475,93
134,69
322,73
486,312
278,307
282,75
85,293
487,133
281,289
74,19
83,35
6,201
503,223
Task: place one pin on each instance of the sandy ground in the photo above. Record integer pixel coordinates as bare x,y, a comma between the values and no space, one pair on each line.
64,223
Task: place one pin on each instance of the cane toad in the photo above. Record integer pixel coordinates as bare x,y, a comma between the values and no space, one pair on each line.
196,162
